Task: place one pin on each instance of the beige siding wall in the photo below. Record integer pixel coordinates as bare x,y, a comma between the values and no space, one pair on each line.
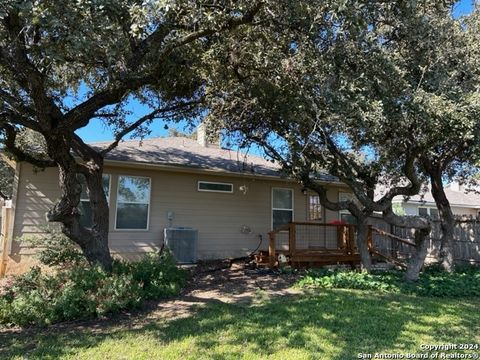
218,217
37,191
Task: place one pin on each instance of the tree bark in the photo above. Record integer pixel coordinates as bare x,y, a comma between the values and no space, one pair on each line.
422,228
98,250
94,241
418,260
360,216
362,244
447,221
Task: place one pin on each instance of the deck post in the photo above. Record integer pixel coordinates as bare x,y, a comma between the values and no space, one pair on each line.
292,241
342,240
370,238
345,252
271,249
351,239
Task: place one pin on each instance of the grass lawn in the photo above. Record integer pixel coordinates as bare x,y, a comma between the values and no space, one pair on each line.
325,324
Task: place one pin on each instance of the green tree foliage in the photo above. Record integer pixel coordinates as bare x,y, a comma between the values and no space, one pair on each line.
177,133
62,66
328,81
6,179
30,142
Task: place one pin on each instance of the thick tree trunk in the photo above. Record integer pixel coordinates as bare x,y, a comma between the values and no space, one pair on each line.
362,244
98,249
447,221
93,242
418,260
422,228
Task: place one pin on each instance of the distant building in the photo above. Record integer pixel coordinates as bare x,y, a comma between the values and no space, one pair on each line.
462,201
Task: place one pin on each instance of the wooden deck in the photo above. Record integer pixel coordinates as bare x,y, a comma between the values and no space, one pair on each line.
310,244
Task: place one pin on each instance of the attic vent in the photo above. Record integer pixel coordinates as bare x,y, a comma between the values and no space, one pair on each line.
182,242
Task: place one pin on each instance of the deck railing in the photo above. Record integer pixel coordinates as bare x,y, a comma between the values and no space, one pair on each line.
310,242
310,239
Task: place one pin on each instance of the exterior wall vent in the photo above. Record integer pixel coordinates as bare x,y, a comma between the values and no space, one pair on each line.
182,242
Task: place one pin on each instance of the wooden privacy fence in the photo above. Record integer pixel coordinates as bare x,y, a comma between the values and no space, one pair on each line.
5,238
391,247
466,245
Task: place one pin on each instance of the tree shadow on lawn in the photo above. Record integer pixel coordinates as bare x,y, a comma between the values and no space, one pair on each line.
332,324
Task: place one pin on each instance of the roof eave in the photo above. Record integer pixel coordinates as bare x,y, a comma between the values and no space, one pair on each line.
198,170
432,203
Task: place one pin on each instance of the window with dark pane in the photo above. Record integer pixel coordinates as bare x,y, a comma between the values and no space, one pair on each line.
133,202
215,187
423,211
434,213
86,215
282,207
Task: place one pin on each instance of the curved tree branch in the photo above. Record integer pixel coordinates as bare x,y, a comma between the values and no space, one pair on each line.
19,154
149,117
80,115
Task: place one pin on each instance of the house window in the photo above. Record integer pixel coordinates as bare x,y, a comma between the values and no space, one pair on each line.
345,215
133,203
215,187
423,211
282,207
428,211
434,213
314,208
86,215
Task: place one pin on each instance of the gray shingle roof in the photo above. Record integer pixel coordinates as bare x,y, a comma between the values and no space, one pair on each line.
467,199
462,198
185,152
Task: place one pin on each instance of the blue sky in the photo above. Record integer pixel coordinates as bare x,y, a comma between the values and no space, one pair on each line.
96,130
463,7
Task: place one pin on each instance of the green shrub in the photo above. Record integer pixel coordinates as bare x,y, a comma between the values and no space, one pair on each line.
82,291
463,282
56,249
158,277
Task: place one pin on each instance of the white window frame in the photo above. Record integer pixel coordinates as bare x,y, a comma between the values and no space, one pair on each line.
215,191
82,200
134,202
271,204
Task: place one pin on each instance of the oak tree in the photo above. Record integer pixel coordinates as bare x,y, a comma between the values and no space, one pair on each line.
334,80
62,66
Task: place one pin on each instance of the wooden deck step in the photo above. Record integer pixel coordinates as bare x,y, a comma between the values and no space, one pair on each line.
325,259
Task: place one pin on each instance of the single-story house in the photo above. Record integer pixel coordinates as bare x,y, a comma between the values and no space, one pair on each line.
462,201
231,198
